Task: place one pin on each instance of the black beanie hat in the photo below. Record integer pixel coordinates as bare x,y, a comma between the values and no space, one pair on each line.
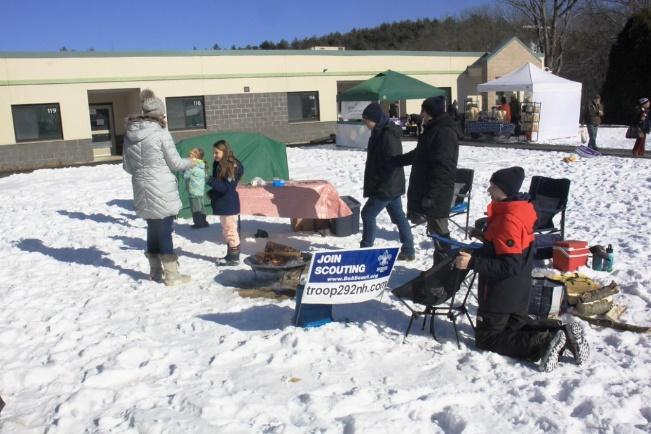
509,180
434,105
373,112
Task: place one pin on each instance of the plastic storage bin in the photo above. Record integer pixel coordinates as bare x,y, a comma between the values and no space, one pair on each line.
345,226
310,315
570,254
547,298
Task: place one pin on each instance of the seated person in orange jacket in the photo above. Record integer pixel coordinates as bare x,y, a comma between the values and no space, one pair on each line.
504,266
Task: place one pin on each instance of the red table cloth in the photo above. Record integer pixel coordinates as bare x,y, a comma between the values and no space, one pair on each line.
296,199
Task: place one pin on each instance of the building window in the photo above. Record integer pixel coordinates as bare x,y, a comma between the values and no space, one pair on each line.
185,113
303,106
37,122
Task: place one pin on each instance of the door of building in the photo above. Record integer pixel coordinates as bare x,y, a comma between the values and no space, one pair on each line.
102,129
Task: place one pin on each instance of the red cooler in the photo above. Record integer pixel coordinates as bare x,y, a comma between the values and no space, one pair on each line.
570,254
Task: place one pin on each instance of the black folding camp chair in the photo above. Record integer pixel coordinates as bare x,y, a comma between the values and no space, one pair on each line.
549,197
437,291
461,200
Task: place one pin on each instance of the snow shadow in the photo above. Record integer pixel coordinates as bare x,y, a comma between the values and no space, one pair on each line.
97,217
256,318
131,243
198,236
389,316
381,315
387,234
275,230
250,227
82,256
402,274
126,204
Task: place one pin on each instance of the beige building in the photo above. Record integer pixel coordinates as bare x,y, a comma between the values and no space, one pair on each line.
62,108
506,58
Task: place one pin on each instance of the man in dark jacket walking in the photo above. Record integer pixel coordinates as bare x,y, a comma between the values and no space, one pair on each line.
383,183
594,111
504,265
433,172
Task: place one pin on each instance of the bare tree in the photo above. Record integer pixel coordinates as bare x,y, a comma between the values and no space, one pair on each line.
551,21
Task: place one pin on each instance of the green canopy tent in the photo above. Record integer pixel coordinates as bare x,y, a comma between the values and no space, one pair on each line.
387,86
390,85
261,157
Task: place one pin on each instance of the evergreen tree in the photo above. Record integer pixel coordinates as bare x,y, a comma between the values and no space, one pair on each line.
267,45
629,70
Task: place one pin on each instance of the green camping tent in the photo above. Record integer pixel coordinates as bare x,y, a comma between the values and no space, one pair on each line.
390,86
260,156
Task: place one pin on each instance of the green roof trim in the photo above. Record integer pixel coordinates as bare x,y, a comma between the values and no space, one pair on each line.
210,77
210,53
506,43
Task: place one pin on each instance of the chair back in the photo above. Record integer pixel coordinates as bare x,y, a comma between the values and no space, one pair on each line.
462,186
433,286
549,197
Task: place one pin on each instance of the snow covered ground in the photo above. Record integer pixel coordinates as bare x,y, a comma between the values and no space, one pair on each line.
89,345
608,137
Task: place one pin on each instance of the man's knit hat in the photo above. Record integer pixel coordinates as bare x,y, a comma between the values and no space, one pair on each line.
644,100
151,105
434,105
373,112
509,180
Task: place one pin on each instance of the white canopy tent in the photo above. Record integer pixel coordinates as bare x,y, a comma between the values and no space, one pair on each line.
560,99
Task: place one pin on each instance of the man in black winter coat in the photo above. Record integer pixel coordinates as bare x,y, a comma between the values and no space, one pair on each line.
384,184
433,172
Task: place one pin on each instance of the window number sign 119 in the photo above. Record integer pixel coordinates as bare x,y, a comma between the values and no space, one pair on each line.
52,111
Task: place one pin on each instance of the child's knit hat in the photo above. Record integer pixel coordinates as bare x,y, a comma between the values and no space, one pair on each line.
509,180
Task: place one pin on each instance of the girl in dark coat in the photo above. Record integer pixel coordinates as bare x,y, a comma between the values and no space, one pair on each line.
226,174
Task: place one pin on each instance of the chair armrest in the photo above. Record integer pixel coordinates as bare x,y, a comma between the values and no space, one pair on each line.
455,243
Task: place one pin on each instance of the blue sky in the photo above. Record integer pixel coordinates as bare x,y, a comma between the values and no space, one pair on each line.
181,24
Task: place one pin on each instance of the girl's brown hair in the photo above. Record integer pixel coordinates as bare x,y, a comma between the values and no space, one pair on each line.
228,163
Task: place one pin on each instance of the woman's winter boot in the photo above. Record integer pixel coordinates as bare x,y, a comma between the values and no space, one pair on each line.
232,256
172,275
155,267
